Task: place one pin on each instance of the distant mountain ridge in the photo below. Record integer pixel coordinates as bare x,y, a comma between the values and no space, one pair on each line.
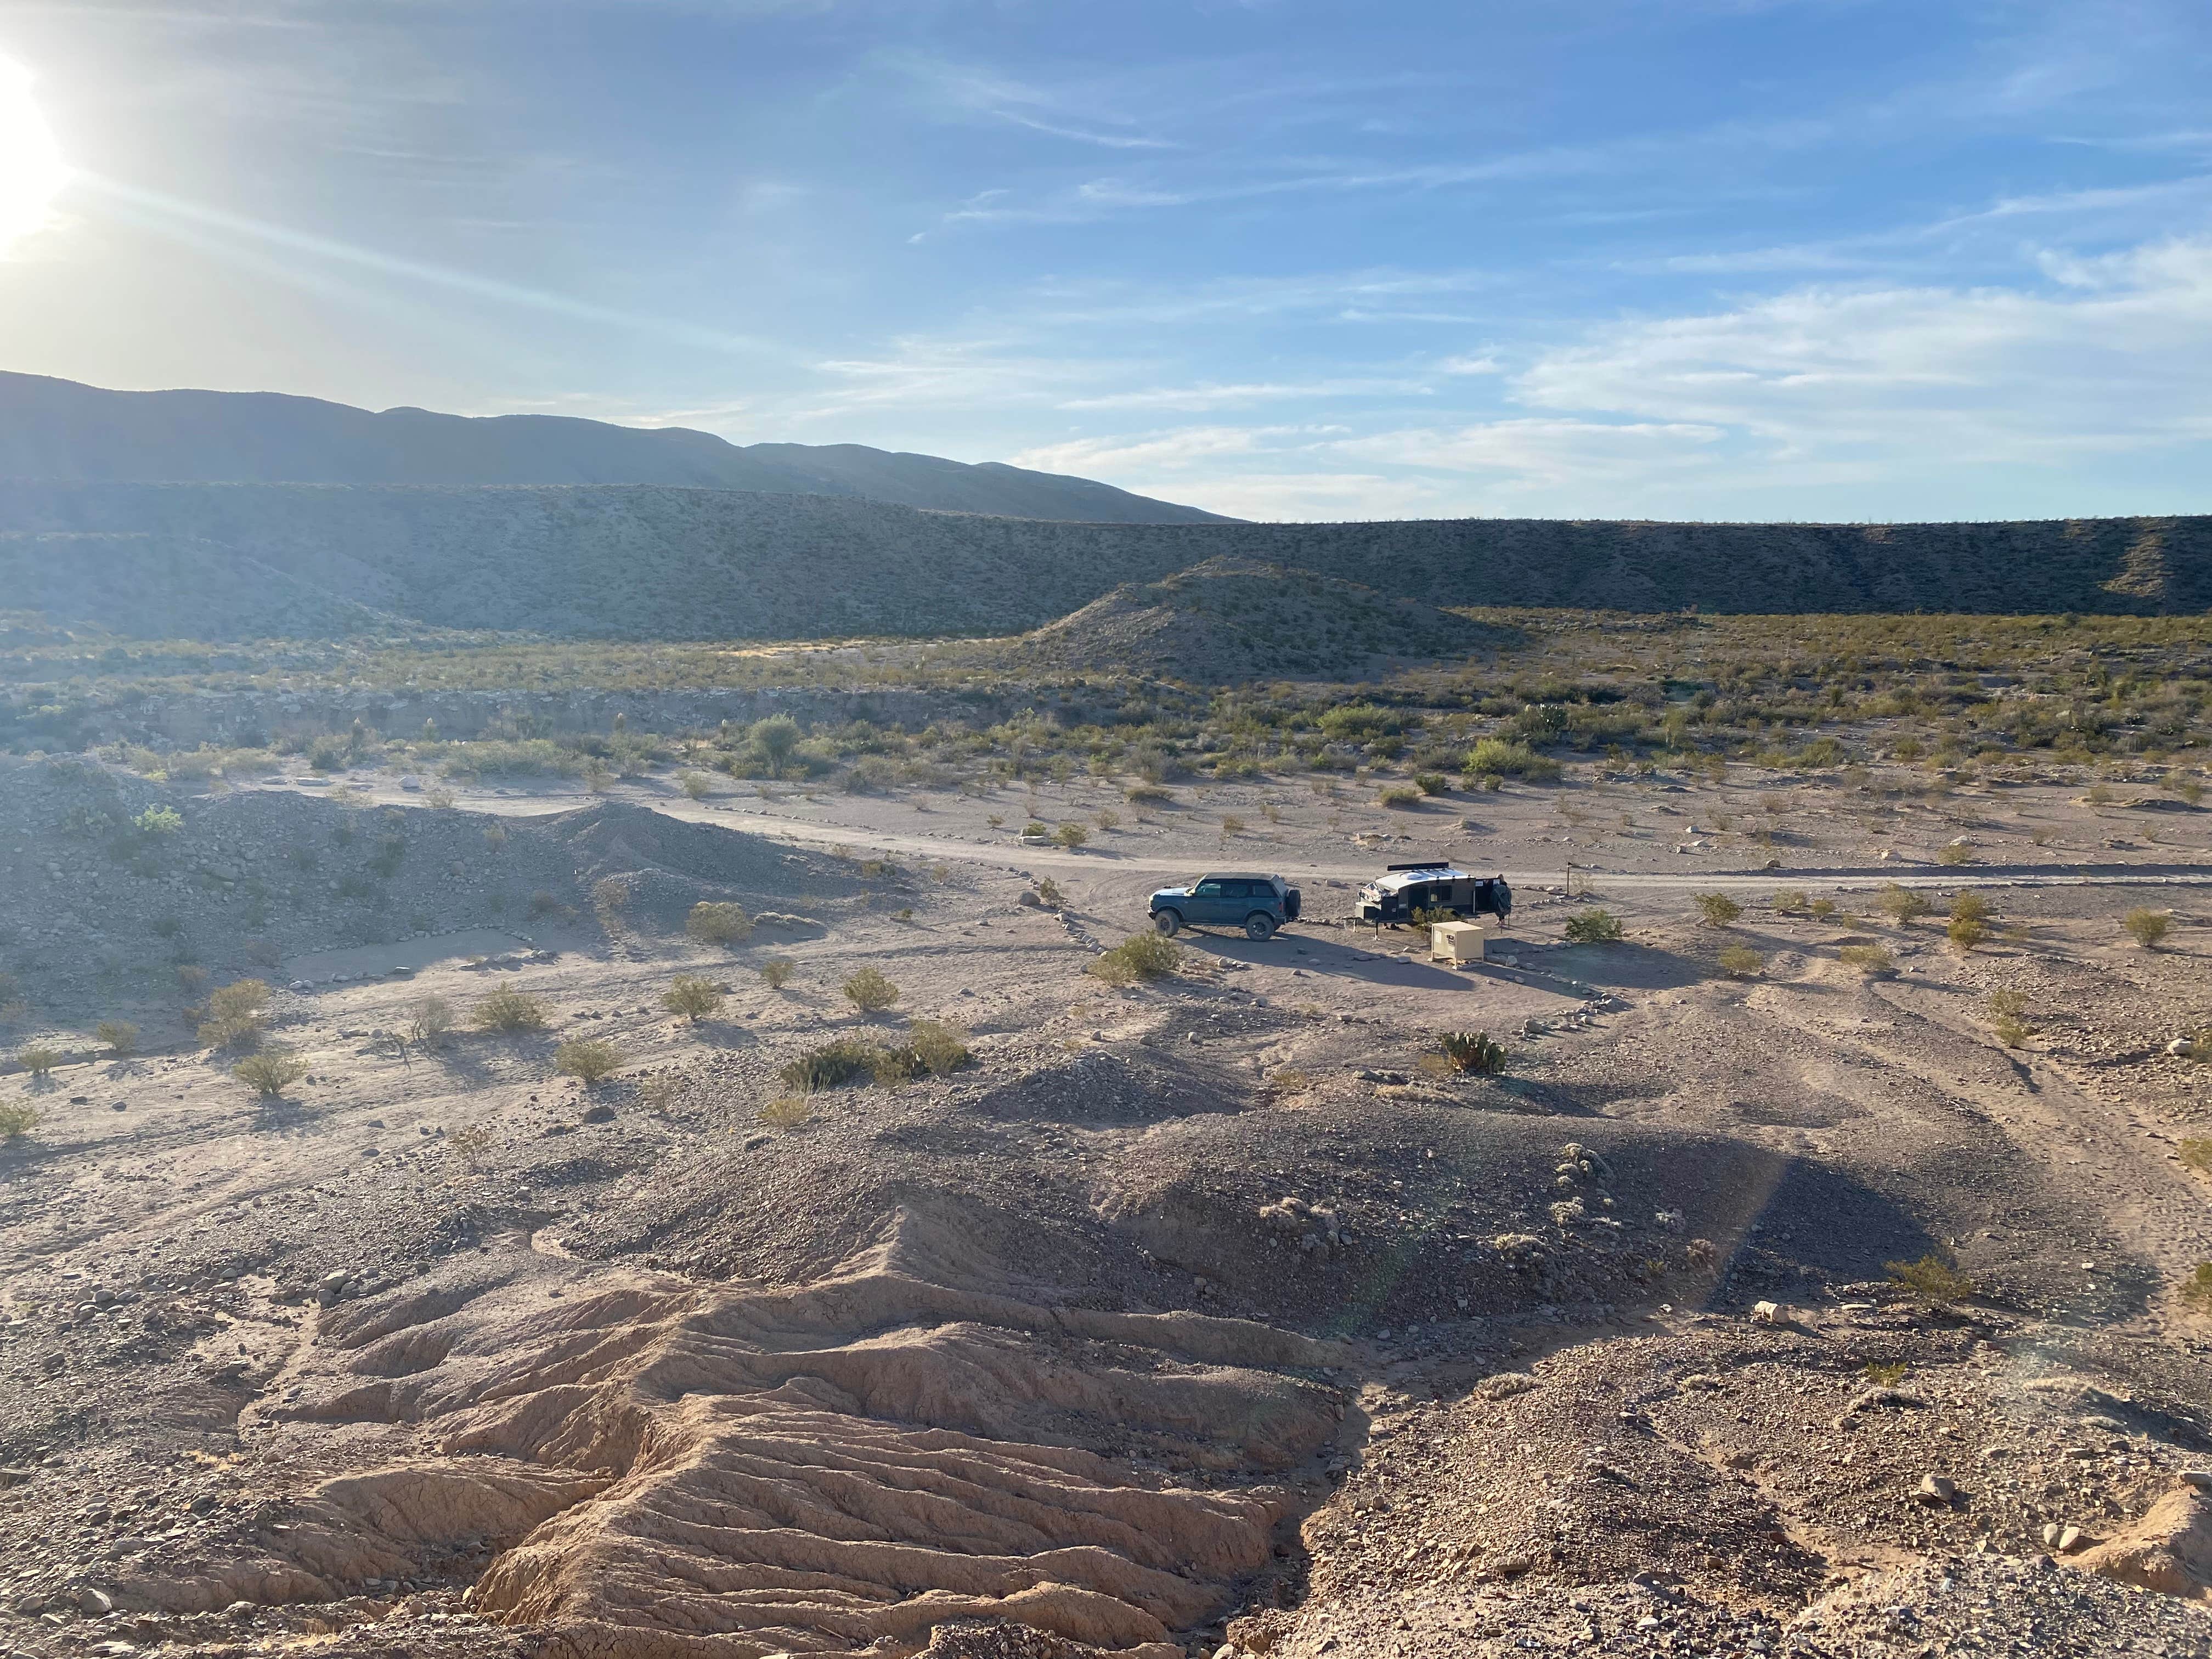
643,562
61,430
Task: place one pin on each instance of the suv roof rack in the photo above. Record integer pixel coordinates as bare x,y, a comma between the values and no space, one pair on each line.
1422,864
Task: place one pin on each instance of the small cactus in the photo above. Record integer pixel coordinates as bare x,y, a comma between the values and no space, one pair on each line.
1474,1051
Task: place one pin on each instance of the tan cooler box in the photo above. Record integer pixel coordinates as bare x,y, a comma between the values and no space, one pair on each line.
1457,941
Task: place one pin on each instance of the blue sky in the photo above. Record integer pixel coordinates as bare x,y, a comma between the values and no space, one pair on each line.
1680,259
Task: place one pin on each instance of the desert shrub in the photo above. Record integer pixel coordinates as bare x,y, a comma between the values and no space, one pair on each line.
2011,1030
870,990
1432,783
1718,909
2197,1154
429,1019
1788,901
777,971
506,1009
937,1047
235,1014
1888,1376
691,997
1140,956
715,922
192,978
695,785
839,1061
1289,1080
469,1143
1969,906
269,1073
1050,894
773,738
120,1036
2001,1003
1822,908
1400,795
787,1111
1957,852
1966,932
610,896
1868,959
17,1117
1900,904
2147,928
1474,1052
1741,962
38,1058
159,821
1499,758
1594,927
1148,794
2196,1289
1070,834
1232,825
1107,819
1931,1278
591,1059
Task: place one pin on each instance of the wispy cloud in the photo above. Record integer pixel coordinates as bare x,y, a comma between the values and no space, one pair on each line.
1248,393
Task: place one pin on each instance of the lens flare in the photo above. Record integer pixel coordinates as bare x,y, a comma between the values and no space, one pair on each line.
32,173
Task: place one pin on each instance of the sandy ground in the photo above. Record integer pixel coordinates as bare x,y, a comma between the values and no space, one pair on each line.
1209,1311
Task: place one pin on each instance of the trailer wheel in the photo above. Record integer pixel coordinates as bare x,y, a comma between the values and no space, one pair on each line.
1168,923
1259,924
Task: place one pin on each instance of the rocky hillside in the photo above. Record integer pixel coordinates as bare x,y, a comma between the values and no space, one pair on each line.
646,561
1228,620
52,429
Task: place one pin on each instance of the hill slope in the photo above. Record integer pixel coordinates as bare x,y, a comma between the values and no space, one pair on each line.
1228,620
59,429
641,562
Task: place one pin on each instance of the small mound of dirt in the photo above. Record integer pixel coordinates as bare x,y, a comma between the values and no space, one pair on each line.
1233,619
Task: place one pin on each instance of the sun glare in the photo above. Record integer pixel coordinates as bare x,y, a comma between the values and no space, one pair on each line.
31,169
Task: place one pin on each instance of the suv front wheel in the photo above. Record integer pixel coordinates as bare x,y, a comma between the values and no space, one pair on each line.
1168,922
1259,924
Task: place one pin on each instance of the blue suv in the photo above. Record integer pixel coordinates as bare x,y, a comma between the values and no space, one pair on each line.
1258,904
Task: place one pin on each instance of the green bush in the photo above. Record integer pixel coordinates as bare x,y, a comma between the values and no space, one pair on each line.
711,922
691,997
1966,932
120,1036
591,1059
2196,1289
839,1061
1741,962
269,1073
1931,1278
2197,1154
1788,901
1901,904
428,1021
1400,795
235,1014
1956,853
1474,1052
1869,959
159,821
870,990
17,1117
1070,834
2147,928
1140,956
1593,927
1718,909
777,971
1501,757
1432,783
506,1009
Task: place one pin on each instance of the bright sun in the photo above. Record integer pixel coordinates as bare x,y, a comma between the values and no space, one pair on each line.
31,169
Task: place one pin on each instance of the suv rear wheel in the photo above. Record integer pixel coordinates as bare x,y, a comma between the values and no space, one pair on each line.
1168,923
1259,924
